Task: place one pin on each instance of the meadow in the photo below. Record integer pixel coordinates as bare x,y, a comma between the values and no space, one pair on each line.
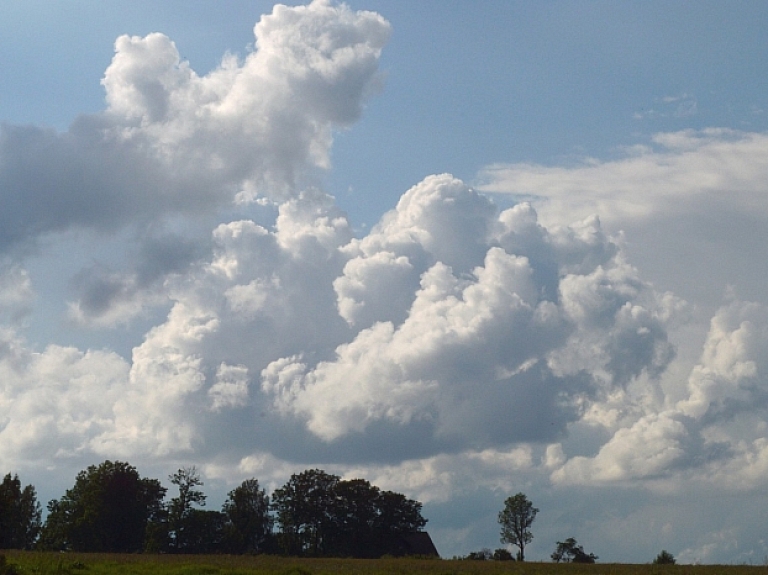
38,563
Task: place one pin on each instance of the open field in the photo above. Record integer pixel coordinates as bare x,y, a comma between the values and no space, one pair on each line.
34,563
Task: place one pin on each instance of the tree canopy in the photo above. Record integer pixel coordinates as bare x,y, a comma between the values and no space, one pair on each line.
20,514
112,509
107,510
321,514
249,522
516,519
664,558
569,551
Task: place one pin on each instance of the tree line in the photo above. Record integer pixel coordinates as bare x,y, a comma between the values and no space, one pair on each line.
111,508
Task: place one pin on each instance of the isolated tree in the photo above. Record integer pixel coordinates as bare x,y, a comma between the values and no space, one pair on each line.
664,558
249,523
569,551
180,509
19,514
107,510
516,519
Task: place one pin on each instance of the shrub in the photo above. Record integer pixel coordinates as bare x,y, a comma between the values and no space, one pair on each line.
8,568
664,558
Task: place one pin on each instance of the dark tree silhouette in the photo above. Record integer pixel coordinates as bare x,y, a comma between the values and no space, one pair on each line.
107,510
664,558
303,506
180,510
19,514
249,524
569,551
319,514
516,519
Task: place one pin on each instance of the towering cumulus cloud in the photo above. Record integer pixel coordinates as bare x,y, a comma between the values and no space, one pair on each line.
174,142
483,328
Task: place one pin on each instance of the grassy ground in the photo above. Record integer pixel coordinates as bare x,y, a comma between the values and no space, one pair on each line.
33,563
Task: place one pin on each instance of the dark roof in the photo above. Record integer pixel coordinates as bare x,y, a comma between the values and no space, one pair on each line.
418,543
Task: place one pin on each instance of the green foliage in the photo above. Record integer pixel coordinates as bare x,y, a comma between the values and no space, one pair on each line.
516,519
182,521
303,507
112,509
502,554
249,524
483,555
664,558
20,514
321,515
569,551
8,568
108,509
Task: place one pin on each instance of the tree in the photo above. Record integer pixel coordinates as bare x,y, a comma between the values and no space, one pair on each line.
398,514
180,510
249,523
354,516
303,506
320,514
107,510
569,551
664,558
502,554
204,531
516,519
19,514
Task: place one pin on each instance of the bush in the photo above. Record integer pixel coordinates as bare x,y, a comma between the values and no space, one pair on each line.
502,554
8,568
664,558
482,555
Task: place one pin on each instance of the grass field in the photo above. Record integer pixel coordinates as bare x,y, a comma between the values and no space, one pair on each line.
33,563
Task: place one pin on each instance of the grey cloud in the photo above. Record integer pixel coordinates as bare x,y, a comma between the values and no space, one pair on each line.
105,296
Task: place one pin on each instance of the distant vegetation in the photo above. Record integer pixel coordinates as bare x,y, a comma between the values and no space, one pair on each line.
112,509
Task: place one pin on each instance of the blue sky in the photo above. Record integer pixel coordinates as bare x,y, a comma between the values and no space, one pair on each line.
263,265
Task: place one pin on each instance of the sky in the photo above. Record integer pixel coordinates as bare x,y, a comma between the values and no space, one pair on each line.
462,250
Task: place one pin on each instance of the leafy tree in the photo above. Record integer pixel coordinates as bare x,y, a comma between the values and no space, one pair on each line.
249,524
320,514
180,510
107,510
502,554
398,514
516,519
664,558
569,551
303,506
395,515
353,519
19,514
204,531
